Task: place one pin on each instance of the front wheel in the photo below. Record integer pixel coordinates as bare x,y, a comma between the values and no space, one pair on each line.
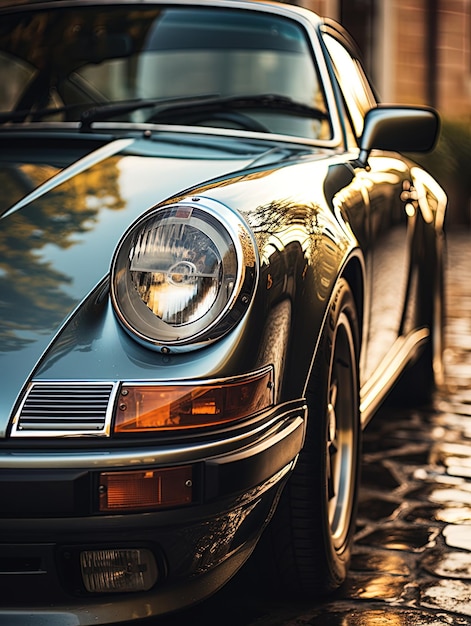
311,533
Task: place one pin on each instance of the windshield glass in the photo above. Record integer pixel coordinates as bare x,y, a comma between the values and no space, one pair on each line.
70,59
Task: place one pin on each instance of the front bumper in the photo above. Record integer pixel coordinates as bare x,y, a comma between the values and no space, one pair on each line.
49,517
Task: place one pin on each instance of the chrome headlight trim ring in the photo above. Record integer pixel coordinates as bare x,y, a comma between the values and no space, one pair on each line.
184,274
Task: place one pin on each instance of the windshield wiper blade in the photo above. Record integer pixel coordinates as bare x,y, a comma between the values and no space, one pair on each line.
109,110
169,110
272,102
97,112
173,108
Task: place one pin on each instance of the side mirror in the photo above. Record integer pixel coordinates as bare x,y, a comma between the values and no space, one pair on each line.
399,128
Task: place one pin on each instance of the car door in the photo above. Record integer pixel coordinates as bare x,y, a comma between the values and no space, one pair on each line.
376,208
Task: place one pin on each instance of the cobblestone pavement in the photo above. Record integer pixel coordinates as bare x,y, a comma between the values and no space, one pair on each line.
412,561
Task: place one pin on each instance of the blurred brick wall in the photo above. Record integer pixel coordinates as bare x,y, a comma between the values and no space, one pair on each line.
410,54
454,57
452,67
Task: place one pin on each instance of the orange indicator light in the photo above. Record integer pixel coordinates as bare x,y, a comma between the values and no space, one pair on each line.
171,407
145,489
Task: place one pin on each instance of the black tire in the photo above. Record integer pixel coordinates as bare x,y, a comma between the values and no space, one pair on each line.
311,533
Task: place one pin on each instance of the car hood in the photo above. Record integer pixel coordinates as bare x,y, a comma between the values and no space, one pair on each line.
62,217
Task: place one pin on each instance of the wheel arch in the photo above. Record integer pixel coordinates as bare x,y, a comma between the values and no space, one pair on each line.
352,270
354,274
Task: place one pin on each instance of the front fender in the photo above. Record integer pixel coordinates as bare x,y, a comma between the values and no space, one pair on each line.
304,247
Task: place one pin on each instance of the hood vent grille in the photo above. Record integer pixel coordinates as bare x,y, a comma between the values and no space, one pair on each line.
59,409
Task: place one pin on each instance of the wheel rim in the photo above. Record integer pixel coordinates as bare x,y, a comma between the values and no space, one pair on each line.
342,424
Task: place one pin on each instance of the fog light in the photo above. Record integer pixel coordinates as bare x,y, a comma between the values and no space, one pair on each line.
118,571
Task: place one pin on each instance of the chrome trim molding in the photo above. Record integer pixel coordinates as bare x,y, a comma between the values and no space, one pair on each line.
283,421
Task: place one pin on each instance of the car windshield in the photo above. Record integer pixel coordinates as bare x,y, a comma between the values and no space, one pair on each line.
158,63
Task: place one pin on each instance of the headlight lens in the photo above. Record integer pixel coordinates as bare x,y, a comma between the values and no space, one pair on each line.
184,274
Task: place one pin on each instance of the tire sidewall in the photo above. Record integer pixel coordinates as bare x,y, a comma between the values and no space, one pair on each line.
341,311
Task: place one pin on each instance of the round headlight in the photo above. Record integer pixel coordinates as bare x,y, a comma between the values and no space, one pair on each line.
184,274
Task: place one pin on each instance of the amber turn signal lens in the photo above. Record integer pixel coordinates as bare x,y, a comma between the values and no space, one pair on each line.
171,407
145,489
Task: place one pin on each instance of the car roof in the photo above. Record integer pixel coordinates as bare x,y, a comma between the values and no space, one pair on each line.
262,5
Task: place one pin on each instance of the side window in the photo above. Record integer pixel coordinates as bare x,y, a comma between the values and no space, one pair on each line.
357,93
